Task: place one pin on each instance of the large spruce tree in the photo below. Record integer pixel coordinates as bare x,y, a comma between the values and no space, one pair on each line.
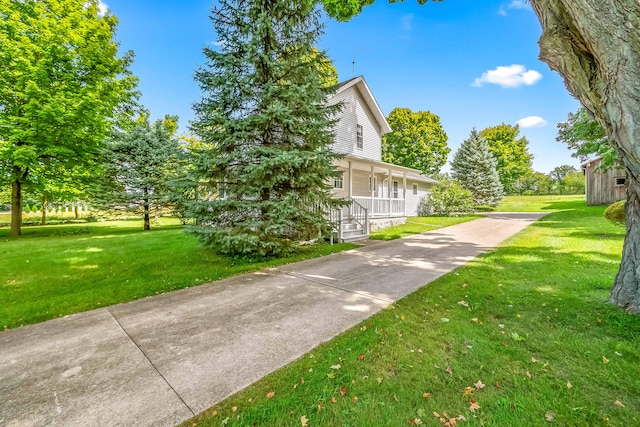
475,167
263,172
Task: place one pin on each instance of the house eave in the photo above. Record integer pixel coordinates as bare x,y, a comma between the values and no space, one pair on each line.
369,99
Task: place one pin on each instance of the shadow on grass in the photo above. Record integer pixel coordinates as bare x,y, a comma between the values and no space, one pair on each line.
87,229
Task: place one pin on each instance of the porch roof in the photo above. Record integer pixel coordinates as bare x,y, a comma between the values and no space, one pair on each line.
396,170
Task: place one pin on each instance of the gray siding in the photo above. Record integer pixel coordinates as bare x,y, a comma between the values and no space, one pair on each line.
356,112
413,201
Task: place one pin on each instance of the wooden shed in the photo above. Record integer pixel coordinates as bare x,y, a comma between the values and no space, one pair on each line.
604,187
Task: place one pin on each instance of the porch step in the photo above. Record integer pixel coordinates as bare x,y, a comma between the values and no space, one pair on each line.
353,235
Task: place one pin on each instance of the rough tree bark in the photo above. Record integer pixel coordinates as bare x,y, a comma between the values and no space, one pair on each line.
16,208
595,46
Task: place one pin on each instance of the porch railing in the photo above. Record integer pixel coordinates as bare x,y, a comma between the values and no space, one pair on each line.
360,215
378,206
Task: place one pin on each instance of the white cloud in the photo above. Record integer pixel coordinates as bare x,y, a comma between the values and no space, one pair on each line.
532,122
518,4
511,76
407,22
102,8
514,4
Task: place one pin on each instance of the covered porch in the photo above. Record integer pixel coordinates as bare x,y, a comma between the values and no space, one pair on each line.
379,187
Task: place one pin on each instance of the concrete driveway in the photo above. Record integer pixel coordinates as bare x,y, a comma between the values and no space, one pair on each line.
160,360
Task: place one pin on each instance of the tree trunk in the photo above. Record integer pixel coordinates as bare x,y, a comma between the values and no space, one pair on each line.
44,210
595,46
75,210
16,208
147,225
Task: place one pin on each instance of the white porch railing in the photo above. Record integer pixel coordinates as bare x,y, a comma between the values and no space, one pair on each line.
378,206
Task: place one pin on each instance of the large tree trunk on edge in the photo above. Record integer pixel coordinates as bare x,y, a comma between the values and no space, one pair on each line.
595,46
16,208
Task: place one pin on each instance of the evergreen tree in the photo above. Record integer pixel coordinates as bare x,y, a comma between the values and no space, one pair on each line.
263,171
475,167
140,164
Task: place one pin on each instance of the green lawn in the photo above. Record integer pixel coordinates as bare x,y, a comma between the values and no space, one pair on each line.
522,336
57,270
418,224
538,203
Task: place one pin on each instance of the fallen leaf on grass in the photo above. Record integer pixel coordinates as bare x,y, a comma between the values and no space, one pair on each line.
355,399
474,320
528,374
336,367
301,380
463,303
618,403
534,360
379,379
426,395
468,390
415,422
550,416
448,370
569,385
464,285
304,421
479,385
444,319
334,400
498,385
474,406
214,412
234,409
343,390
605,360
320,408
271,394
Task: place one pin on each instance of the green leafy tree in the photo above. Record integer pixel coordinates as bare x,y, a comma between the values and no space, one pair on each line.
62,85
418,141
511,152
264,169
139,166
574,183
584,135
474,167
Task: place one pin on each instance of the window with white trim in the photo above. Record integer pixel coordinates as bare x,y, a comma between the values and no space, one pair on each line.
395,189
415,189
373,183
338,181
359,137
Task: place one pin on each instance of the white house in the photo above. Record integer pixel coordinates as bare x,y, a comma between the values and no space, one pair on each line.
381,194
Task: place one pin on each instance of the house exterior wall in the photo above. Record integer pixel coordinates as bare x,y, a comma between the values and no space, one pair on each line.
412,201
356,112
601,186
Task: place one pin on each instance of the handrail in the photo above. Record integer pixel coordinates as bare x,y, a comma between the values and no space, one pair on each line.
360,214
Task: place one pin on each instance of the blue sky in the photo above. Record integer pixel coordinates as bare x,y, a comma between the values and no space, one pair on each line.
473,63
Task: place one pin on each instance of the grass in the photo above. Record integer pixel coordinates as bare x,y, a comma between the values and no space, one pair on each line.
415,225
538,203
523,332
57,270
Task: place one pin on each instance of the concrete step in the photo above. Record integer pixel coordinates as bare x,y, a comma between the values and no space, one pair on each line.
355,238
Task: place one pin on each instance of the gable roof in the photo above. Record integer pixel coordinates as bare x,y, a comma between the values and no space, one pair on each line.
360,83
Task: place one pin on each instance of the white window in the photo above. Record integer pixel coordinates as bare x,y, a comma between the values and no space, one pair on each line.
395,189
373,183
415,189
359,137
338,181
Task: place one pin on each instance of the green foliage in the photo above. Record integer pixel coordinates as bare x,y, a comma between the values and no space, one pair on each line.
418,141
139,166
62,86
584,135
27,208
344,10
417,225
261,176
511,152
447,198
474,167
616,213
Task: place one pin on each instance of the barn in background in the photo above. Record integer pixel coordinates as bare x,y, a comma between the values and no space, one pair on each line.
604,187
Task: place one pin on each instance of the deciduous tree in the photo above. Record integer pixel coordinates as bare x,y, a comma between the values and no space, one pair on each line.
512,153
418,141
62,84
263,173
583,134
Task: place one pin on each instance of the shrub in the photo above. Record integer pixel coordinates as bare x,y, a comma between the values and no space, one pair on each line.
615,213
447,198
27,208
